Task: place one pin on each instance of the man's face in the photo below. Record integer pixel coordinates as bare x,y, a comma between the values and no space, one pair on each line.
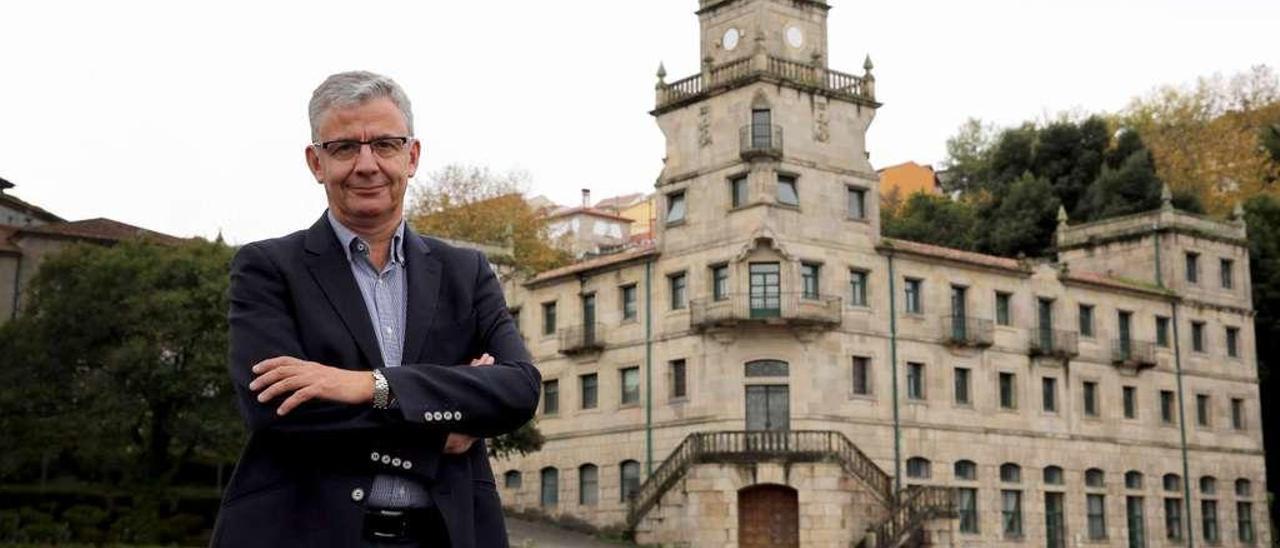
368,189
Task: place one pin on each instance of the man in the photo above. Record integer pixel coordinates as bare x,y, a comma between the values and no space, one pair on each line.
354,350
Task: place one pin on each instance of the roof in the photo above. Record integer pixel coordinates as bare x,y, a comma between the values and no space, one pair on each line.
623,201
593,264
1104,280
955,255
587,211
101,229
30,209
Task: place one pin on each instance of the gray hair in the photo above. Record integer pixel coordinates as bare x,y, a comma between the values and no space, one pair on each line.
354,88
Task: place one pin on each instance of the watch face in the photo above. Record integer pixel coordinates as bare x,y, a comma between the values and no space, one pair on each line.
795,36
731,37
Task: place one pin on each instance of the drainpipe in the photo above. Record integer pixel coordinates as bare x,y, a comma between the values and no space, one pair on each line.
1182,427
893,364
648,368
17,287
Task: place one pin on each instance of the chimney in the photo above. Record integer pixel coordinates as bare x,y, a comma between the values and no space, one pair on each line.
586,198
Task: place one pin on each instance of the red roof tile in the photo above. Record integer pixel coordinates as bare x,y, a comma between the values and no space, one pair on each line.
950,254
101,229
1095,278
592,264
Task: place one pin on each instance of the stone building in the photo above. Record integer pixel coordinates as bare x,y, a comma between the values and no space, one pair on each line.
774,372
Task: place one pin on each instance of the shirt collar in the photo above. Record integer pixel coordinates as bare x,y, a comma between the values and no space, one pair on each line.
353,243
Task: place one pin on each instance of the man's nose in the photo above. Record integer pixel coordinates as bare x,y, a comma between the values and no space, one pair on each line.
366,161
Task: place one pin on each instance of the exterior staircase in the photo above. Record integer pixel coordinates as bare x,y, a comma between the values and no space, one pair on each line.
907,511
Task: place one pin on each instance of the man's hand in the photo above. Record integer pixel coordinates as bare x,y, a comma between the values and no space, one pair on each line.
457,444
307,380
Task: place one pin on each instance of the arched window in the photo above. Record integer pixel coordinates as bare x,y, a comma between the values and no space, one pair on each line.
512,479
1095,477
966,470
550,486
1010,473
1208,485
1172,482
767,368
629,472
918,468
1244,488
1133,479
588,484
1053,475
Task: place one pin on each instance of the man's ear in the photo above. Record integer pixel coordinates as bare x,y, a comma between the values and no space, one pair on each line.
415,152
313,163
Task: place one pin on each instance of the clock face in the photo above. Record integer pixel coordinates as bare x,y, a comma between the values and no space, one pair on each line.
795,37
730,40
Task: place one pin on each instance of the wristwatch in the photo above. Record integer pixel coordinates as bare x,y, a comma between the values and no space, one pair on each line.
381,391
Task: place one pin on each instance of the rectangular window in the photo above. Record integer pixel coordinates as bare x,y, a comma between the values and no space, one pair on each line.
1197,336
678,386
1167,411
765,287
628,302
1002,308
1090,399
677,284
1226,272
1008,391
1086,320
675,207
1193,267
787,193
1173,519
857,288
1237,413
630,385
914,288
550,397
1162,331
1233,342
915,381
1202,409
1049,394
1209,520
1244,522
1055,525
967,505
809,277
588,485
1130,395
857,203
550,487
962,386
1097,509
861,376
1011,512
549,318
738,191
720,282
590,384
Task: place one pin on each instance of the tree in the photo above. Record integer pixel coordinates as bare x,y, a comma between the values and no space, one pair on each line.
117,366
1024,221
473,204
932,219
968,163
1262,215
1130,187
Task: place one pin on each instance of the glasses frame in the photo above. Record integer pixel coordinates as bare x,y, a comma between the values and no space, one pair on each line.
405,141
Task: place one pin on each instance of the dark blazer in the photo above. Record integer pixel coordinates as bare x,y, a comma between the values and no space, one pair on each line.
303,478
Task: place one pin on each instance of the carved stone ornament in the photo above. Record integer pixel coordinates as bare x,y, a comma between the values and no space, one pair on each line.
821,123
704,126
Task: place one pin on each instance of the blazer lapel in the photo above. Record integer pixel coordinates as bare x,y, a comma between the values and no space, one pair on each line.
423,270
331,269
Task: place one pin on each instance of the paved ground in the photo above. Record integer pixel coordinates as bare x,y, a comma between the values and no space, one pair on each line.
529,534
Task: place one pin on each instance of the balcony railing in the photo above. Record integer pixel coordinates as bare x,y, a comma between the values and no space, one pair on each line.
774,69
581,338
967,331
758,140
1131,353
1055,343
766,308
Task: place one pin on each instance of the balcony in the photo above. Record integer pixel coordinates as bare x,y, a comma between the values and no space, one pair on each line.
812,78
1131,353
963,331
1054,343
580,339
760,141
792,309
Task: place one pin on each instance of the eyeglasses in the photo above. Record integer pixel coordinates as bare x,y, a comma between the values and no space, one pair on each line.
346,149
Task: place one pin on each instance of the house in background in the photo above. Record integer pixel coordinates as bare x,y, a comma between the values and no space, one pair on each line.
899,182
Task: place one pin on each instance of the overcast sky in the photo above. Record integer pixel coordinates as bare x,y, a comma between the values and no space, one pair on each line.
190,117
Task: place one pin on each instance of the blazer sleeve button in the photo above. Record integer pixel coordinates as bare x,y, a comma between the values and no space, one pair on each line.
357,494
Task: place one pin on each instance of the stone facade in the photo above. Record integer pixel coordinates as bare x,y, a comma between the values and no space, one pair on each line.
771,302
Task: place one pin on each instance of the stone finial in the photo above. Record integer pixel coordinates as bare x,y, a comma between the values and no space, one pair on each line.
1237,212
1166,197
867,65
662,72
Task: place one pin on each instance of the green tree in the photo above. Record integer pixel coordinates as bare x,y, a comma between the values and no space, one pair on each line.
932,219
118,362
1131,187
968,163
1024,220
